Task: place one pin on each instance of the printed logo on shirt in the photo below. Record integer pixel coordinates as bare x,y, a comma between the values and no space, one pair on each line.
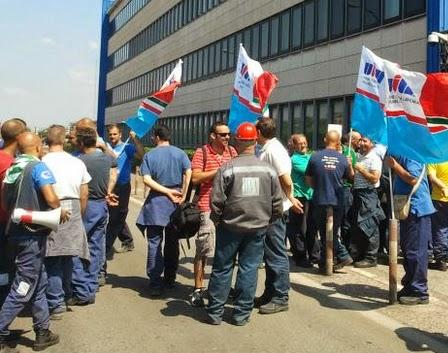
330,163
45,174
251,187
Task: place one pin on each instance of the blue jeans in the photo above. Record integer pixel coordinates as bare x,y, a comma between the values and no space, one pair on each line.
29,285
414,234
249,248
59,271
277,262
158,263
6,265
439,224
85,275
320,216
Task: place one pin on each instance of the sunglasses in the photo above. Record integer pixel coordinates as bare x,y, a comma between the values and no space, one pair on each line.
223,134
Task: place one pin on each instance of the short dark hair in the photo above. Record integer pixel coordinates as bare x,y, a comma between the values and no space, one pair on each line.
216,124
266,127
86,136
114,126
55,135
163,132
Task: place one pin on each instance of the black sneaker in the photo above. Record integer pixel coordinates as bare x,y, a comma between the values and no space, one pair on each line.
261,300
73,301
125,248
272,308
240,322
341,263
44,339
365,264
405,300
304,263
155,292
196,298
438,265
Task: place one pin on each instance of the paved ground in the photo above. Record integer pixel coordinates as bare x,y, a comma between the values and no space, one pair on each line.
347,312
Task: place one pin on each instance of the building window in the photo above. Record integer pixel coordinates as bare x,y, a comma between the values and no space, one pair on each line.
337,18
337,113
274,36
296,27
255,42
285,123
322,108
284,33
200,63
309,122
414,7
218,54
205,62
391,10
247,41
264,40
211,59
297,118
354,16
322,20
308,33
233,51
372,13
224,54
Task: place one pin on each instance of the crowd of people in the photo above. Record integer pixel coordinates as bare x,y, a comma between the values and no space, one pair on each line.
254,198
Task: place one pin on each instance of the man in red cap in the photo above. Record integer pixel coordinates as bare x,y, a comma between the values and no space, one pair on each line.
246,198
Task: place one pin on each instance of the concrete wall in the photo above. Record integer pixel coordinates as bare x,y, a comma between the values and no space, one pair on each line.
323,71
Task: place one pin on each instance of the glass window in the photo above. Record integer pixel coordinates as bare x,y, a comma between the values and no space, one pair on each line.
205,61
322,20
200,63
284,33
297,118
414,7
337,18
255,41
247,41
308,35
274,35
309,122
296,27
322,108
273,112
195,8
372,13
224,53
204,6
391,10
194,62
354,17
285,123
211,59
337,113
232,52
264,40
218,54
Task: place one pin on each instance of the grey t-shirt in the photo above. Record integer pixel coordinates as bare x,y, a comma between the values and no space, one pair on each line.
98,165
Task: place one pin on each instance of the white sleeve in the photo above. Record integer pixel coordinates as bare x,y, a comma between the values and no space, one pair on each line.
281,163
376,164
85,176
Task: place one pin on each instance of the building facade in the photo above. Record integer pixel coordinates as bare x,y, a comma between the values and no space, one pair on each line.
313,47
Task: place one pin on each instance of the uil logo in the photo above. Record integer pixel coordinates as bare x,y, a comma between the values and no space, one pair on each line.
372,71
399,85
244,71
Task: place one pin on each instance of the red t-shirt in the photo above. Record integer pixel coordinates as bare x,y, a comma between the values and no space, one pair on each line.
5,162
213,162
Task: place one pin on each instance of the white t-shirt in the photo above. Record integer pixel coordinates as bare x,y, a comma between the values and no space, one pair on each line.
274,153
372,162
70,173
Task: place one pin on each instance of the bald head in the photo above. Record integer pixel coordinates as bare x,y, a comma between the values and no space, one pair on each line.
29,143
332,139
11,129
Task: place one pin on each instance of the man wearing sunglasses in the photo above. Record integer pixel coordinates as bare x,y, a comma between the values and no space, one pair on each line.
206,161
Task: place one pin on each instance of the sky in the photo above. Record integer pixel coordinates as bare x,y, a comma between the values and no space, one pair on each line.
49,58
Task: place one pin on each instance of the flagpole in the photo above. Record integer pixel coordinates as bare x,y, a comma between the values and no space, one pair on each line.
350,142
393,246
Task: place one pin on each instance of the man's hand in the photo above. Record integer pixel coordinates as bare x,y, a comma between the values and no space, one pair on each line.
445,192
391,162
175,196
359,167
65,215
112,200
132,135
101,145
297,206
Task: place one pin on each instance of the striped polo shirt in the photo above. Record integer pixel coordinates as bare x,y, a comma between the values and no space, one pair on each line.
213,162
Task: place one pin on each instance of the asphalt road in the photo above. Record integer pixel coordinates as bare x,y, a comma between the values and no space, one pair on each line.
125,319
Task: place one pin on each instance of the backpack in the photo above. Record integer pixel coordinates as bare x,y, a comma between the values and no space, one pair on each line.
185,221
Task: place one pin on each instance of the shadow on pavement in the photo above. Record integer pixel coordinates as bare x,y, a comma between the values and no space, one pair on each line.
422,341
366,296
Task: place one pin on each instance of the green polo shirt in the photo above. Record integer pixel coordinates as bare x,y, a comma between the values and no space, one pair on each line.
299,164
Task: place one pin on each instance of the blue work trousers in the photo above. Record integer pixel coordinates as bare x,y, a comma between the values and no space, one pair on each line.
277,262
249,249
59,272
320,216
158,263
29,284
414,234
6,265
85,274
439,224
